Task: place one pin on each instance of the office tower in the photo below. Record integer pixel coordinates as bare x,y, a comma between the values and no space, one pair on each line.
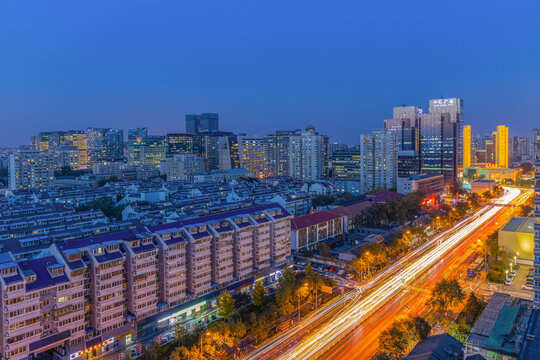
206,122
467,147
308,154
228,155
135,133
115,145
253,153
104,144
454,108
30,169
378,152
438,146
346,163
51,141
429,143
181,167
520,146
501,146
33,142
535,151
147,150
534,134
178,143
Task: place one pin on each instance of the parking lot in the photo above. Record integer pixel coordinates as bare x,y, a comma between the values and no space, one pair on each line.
520,278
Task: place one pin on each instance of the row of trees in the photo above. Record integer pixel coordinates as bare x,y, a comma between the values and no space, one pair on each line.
393,210
402,335
248,315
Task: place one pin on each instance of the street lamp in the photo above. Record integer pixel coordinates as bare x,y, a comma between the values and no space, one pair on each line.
515,260
511,267
506,274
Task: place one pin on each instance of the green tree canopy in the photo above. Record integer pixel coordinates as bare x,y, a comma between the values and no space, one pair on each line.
226,304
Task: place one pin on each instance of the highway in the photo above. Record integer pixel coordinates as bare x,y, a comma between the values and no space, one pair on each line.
332,324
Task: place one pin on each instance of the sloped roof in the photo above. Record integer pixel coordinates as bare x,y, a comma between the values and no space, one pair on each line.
314,218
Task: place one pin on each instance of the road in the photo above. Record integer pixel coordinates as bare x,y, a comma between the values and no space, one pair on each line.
363,342
313,337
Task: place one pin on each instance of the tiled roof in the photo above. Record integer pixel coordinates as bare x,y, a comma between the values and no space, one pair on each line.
352,209
314,218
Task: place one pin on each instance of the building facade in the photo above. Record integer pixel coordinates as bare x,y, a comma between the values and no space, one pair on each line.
182,166
30,169
206,122
378,151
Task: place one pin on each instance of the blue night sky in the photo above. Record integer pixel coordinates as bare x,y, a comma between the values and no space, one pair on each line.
339,65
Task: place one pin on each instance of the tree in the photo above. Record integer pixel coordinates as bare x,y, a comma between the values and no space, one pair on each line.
242,299
179,331
527,167
472,310
421,327
453,329
258,294
394,341
226,305
446,294
324,249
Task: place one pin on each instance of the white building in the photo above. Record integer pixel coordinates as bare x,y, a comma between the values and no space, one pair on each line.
30,169
378,152
182,166
308,155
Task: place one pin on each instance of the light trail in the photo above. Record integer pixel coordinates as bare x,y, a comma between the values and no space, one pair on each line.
355,307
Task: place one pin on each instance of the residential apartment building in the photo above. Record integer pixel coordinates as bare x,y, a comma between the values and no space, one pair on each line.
79,297
182,166
30,169
378,160
253,155
308,155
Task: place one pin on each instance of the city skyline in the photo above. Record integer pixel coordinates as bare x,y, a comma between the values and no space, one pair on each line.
335,68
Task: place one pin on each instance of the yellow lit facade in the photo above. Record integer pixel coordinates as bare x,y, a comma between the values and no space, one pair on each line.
467,147
502,146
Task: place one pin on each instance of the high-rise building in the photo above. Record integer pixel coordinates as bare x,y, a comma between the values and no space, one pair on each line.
253,152
135,133
181,167
520,146
206,122
467,151
308,155
501,141
51,141
347,163
30,169
454,108
228,156
279,151
429,143
178,143
378,152
147,150
535,151
104,144
532,140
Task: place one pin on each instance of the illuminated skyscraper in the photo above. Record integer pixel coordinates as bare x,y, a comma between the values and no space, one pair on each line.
535,149
467,146
378,156
501,146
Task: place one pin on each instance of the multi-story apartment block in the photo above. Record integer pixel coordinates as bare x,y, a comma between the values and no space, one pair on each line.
308,155
378,160
253,152
181,166
77,297
30,169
